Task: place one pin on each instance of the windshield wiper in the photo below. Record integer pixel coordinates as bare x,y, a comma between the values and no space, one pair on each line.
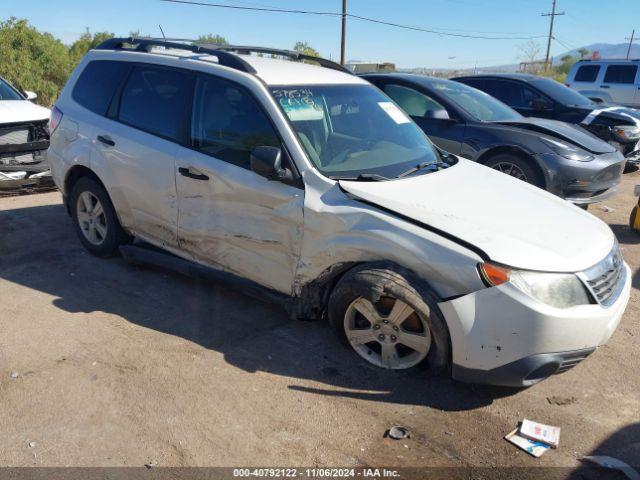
369,177
420,166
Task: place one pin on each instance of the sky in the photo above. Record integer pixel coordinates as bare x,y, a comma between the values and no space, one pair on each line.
585,22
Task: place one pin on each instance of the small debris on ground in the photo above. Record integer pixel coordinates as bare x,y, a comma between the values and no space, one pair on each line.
534,438
398,433
561,400
151,464
15,374
615,464
32,444
604,208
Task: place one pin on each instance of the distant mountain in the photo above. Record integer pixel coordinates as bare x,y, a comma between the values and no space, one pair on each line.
606,50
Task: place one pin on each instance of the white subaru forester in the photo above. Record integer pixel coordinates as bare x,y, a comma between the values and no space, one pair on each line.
296,176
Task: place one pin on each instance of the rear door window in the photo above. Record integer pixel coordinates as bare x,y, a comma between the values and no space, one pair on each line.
508,92
227,122
587,73
156,100
621,74
97,84
416,104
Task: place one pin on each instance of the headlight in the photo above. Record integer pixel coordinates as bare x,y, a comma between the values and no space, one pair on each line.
567,150
560,290
627,133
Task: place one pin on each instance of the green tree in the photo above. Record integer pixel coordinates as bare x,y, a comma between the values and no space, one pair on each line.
211,38
31,60
86,42
304,47
583,52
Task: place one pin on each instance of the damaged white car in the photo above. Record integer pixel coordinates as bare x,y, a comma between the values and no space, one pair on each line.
307,182
24,139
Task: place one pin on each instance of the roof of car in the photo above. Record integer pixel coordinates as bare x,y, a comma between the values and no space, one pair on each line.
524,77
276,71
272,66
408,77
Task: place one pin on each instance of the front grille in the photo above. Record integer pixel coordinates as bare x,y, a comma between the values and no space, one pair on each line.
14,136
570,360
605,279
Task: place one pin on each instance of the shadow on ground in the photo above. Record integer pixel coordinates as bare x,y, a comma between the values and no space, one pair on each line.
623,445
39,249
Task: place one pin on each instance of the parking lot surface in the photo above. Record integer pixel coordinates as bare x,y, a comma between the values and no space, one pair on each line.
107,364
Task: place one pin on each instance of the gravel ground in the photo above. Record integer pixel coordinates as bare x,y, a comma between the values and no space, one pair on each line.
105,364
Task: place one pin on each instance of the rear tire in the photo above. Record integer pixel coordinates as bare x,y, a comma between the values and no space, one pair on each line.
95,219
517,167
401,328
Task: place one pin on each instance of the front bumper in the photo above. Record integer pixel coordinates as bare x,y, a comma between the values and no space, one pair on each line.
502,336
583,183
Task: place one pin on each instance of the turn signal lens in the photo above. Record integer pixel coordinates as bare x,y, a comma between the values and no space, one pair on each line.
493,274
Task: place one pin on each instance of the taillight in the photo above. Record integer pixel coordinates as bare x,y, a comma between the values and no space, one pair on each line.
54,120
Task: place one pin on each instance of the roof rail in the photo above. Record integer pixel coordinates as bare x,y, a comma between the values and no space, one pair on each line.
145,44
323,62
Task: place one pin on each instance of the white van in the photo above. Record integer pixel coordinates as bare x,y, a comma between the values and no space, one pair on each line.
607,81
308,182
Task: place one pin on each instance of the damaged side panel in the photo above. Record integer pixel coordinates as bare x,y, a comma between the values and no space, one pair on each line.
340,230
239,221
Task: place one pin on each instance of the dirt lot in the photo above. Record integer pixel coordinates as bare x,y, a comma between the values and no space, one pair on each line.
105,364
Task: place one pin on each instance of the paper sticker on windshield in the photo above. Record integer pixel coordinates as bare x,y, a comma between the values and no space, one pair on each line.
394,112
299,104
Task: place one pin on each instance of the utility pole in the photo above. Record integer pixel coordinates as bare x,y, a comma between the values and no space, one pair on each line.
553,15
343,42
633,32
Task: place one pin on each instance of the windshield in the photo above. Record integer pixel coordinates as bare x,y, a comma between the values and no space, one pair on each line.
7,92
353,130
479,105
561,93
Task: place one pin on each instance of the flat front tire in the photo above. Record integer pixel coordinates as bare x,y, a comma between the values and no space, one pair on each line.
95,219
388,322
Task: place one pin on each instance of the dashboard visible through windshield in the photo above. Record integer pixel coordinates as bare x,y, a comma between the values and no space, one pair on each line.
350,131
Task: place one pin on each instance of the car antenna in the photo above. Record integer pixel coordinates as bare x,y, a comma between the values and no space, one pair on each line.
162,31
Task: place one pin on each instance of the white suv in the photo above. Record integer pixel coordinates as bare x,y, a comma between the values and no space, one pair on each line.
309,182
607,81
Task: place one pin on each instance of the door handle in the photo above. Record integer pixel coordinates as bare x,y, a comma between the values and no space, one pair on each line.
605,86
106,140
187,172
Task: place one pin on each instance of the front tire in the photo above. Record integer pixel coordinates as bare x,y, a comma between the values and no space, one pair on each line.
95,219
516,167
388,322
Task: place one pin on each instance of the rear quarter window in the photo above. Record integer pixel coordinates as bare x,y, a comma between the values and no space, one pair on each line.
97,84
621,74
587,73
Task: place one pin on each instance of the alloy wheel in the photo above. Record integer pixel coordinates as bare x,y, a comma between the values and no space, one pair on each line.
388,334
511,169
91,218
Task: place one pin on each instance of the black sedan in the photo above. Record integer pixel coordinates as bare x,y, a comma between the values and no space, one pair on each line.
561,158
541,97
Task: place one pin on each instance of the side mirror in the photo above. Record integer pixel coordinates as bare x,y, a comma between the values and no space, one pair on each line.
438,114
539,105
267,162
31,96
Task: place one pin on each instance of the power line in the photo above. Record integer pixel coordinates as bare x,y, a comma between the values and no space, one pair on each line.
356,17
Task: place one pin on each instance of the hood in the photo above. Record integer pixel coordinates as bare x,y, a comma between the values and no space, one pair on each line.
514,223
13,111
614,113
563,131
